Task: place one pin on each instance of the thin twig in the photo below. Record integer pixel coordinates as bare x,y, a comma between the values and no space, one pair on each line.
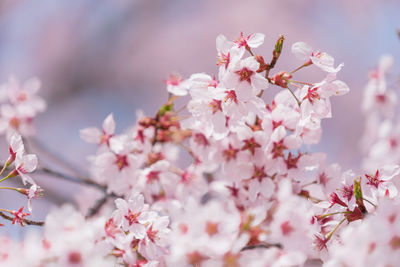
100,203
85,181
308,63
369,202
276,53
263,245
41,148
295,97
97,206
300,82
26,221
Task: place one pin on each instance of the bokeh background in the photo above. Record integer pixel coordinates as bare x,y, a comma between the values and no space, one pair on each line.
97,57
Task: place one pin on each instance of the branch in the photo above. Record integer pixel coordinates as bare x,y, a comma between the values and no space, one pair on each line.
61,161
97,206
40,148
63,176
275,56
100,203
26,221
262,245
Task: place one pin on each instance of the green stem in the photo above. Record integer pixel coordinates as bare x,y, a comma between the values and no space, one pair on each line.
299,68
6,187
333,213
305,83
4,167
295,97
311,183
10,175
334,229
370,202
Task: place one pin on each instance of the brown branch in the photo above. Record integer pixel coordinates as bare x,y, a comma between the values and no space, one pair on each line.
262,245
26,221
40,148
63,176
275,56
61,161
100,203
97,206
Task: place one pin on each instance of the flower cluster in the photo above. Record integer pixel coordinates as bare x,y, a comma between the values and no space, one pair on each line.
19,105
23,164
228,179
137,234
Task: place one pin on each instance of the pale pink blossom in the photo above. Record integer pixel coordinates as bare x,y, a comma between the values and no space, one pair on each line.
133,215
176,85
24,96
321,59
227,54
35,191
97,136
25,164
243,78
253,40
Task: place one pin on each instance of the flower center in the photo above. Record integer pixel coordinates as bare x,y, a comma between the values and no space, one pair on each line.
245,74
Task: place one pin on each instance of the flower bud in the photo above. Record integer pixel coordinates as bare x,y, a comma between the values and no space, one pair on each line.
263,65
359,196
281,79
146,122
336,200
278,46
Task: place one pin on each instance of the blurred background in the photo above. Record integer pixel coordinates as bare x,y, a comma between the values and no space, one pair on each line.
97,57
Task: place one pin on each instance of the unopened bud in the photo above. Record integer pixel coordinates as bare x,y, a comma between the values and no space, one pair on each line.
359,195
167,120
169,106
146,122
336,200
263,65
278,46
164,135
164,109
281,79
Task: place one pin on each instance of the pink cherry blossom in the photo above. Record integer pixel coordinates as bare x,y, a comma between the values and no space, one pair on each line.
16,145
251,41
321,59
132,215
380,183
94,135
227,53
176,85
25,164
34,191
243,78
24,96
19,216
